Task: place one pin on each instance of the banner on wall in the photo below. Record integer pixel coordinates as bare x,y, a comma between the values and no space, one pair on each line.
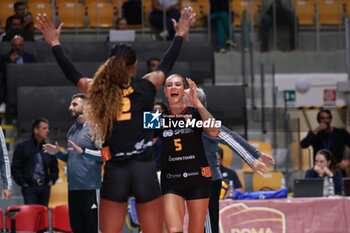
258,219
326,215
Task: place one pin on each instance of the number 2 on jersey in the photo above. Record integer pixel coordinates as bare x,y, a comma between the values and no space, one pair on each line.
177,143
125,115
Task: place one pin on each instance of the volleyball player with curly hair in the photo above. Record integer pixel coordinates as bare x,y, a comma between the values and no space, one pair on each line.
115,107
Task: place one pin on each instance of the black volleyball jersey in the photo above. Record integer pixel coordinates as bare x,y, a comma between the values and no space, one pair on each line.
184,164
128,137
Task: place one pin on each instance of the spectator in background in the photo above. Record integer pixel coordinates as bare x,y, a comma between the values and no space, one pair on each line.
84,174
152,63
5,169
219,16
121,24
27,19
227,173
132,11
328,137
172,9
16,28
325,167
284,15
15,56
34,170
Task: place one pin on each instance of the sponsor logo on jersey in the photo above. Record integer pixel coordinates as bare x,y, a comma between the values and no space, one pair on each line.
181,158
152,120
168,133
206,172
172,176
175,132
188,174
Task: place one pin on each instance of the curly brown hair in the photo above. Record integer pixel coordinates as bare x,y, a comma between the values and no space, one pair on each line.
105,91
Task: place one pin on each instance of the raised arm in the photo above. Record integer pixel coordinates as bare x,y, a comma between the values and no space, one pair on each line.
52,35
167,62
212,130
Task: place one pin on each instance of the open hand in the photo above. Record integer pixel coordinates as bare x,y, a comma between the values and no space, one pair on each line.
266,159
50,33
51,149
75,147
192,96
6,194
258,167
183,25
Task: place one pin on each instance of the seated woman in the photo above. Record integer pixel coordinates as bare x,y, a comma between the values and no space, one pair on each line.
325,167
172,11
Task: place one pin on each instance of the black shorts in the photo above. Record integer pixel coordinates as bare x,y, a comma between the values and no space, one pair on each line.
190,193
130,177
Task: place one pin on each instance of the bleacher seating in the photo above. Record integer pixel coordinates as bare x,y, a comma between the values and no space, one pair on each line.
49,102
100,14
71,14
40,7
301,157
330,12
6,10
181,68
270,181
240,6
147,7
305,11
87,51
30,218
227,103
37,74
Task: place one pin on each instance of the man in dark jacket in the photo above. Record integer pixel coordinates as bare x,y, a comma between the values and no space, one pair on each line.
15,56
32,169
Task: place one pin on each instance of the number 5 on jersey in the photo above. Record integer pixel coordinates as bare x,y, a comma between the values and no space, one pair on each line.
125,115
177,143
